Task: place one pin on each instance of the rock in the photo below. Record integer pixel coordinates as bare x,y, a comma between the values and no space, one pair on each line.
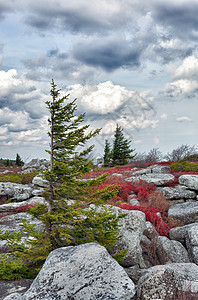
133,200
192,242
184,213
191,181
11,286
169,282
16,191
35,165
134,273
14,206
157,179
132,229
82,272
179,233
39,181
177,192
150,231
159,169
156,169
170,251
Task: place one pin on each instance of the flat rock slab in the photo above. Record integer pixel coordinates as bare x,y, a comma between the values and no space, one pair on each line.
184,213
78,273
191,181
157,179
177,192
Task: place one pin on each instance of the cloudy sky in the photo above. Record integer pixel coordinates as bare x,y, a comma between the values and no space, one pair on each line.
129,62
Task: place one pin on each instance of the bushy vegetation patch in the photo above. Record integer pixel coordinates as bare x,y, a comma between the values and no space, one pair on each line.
185,166
22,178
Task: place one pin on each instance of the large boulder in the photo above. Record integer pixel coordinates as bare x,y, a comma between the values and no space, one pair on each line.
35,165
39,181
170,251
169,282
191,181
156,169
184,213
192,242
82,272
179,233
18,192
132,228
157,179
177,192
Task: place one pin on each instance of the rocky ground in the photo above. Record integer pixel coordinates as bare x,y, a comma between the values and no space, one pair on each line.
155,267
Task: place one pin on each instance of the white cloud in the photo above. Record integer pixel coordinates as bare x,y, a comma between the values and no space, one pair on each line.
164,116
106,98
156,140
188,69
183,119
181,87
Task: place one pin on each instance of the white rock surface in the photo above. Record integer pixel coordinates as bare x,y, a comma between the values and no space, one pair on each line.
82,272
169,282
184,213
157,179
191,181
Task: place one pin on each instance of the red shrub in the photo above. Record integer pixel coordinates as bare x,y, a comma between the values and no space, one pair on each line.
151,216
143,189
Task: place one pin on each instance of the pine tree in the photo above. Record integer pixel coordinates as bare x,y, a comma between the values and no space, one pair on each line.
75,212
121,152
19,161
107,154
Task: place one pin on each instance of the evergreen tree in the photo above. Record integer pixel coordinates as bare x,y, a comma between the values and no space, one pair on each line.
121,152
19,161
66,222
107,154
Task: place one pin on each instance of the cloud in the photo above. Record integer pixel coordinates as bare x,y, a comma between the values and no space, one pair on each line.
180,88
19,94
107,98
180,18
183,119
164,116
188,69
109,53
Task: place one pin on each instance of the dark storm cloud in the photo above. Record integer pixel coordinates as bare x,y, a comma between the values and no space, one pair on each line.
109,54
5,7
180,19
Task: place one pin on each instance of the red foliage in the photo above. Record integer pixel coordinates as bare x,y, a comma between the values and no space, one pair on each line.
143,189
151,216
24,208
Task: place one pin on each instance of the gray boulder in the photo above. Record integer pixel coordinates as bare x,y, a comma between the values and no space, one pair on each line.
191,181
192,242
8,287
169,282
170,251
132,229
35,165
39,181
16,191
177,192
82,272
184,213
154,169
157,179
14,206
150,231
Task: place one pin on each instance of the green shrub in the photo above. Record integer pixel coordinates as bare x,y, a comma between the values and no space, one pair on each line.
23,178
185,166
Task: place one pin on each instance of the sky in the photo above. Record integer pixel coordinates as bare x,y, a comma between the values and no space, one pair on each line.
128,62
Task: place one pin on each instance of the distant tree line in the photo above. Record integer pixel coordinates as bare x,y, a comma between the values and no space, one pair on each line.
10,162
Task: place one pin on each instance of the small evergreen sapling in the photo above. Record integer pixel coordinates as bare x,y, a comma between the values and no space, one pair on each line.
107,154
74,212
121,152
